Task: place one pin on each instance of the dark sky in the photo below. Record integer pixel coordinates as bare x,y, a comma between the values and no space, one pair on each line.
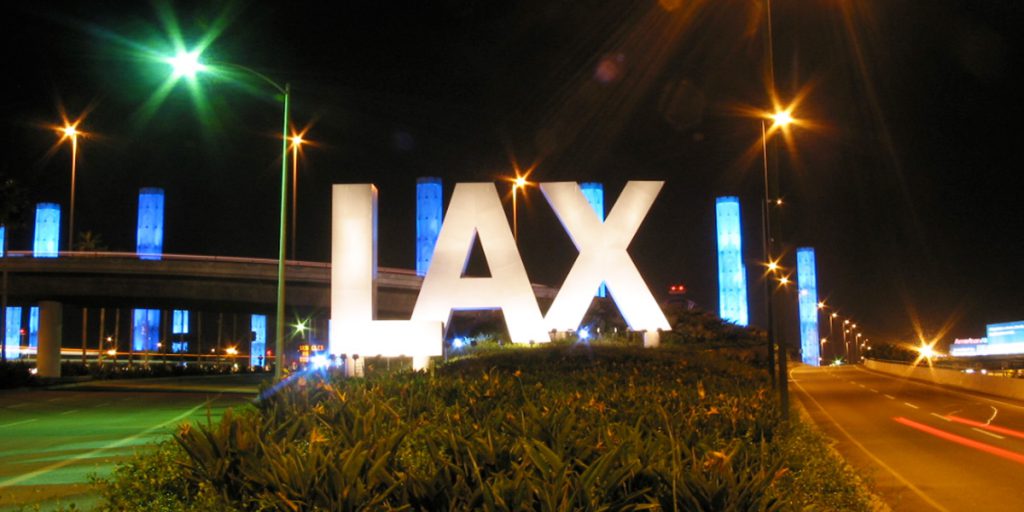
903,177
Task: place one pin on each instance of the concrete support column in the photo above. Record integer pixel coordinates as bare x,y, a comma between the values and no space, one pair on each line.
50,328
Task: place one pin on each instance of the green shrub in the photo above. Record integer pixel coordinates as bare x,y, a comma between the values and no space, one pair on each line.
572,427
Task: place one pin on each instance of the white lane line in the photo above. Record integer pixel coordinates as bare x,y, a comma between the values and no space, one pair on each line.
22,422
890,397
16,406
941,417
995,412
68,412
873,390
52,400
95,453
987,433
908,404
931,386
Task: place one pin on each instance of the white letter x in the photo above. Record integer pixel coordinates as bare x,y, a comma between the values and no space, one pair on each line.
603,256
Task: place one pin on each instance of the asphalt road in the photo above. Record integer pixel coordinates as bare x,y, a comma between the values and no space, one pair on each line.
52,440
923,447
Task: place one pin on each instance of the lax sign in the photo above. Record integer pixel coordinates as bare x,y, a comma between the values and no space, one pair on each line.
475,210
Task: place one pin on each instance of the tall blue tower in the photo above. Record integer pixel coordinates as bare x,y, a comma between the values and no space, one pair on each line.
258,348
732,277
807,286
429,205
47,233
150,235
594,192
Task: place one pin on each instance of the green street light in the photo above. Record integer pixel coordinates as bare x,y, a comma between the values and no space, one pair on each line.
186,64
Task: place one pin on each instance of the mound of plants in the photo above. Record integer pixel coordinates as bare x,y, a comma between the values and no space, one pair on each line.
555,428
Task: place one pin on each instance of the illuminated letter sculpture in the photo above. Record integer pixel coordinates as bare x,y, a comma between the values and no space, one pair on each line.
429,207
595,196
806,281
150,234
353,329
732,277
475,211
47,230
603,257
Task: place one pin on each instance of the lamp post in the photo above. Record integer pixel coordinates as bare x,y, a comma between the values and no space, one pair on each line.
518,183
70,131
830,331
187,64
780,120
846,344
296,141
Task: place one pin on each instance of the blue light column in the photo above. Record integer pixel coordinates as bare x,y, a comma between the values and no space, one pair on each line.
732,277
47,233
807,286
429,205
145,330
150,235
594,192
258,349
33,329
12,338
3,240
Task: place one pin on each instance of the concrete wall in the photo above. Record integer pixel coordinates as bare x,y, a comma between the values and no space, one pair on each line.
993,385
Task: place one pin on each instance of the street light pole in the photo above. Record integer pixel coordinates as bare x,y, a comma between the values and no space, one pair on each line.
71,131
279,318
187,64
767,243
296,141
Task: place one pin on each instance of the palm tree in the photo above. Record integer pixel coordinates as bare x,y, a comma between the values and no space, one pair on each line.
89,242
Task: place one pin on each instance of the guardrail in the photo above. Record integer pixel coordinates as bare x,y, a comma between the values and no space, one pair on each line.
191,257
1006,387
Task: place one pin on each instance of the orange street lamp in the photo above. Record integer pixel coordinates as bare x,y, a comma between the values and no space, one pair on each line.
70,131
518,183
296,141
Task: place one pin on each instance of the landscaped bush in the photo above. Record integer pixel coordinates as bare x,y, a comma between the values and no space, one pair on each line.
14,374
557,428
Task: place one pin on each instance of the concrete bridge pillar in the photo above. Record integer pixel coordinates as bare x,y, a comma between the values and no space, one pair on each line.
50,328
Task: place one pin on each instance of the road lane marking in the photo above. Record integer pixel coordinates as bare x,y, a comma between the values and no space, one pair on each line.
890,397
987,433
22,422
933,386
970,443
995,412
95,453
68,412
1002,430
941,417
15,406
908,404
920,494
873,390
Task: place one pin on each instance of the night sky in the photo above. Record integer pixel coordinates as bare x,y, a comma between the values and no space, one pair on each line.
903,175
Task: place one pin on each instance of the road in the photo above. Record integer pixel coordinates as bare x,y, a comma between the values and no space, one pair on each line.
52,440
922,446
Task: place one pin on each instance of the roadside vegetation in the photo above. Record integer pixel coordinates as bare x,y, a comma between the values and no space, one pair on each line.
570,426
